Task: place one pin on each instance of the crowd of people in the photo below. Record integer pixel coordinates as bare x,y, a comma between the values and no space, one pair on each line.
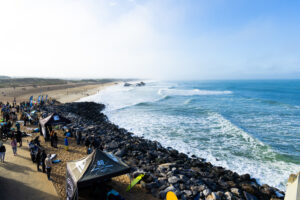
11,128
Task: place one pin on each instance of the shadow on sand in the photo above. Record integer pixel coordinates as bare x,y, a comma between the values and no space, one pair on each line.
11,189
16,168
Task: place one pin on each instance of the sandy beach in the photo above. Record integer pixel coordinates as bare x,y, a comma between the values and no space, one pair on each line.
63,93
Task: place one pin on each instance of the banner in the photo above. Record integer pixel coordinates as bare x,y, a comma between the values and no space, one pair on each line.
30,101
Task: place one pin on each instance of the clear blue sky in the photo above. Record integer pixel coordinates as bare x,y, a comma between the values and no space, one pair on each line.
212,39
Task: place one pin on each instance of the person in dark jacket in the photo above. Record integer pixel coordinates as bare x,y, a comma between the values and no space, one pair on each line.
43,158
19,137
2,152
78,137
55,138
52,138
18,126
96,143
87,144
38,159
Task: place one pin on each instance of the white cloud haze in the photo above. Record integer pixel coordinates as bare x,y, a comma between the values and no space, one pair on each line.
139,39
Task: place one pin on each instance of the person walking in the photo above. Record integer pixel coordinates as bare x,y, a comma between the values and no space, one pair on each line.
43,158
14,145
48,164
2,152
66,143
19,137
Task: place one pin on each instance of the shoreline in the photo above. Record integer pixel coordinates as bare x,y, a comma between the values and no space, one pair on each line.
165,168
63,93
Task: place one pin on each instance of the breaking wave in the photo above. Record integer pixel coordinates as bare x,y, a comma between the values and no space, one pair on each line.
194,92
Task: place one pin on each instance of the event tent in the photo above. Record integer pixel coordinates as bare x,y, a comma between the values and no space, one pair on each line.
52,120
97,167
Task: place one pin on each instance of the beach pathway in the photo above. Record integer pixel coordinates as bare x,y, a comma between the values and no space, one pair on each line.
19,178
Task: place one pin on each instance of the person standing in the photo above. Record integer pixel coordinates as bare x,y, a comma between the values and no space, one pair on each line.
87,143
19,137
18,126
25,120
52,138
38,159
55,140
48,164
66,143
2,152
43,158
78,137
14,145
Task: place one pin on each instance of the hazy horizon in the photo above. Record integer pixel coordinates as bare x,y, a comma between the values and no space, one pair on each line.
150,39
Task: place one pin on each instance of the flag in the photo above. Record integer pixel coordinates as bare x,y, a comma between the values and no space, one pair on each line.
30,101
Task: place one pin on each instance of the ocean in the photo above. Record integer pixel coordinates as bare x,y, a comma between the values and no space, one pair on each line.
245,126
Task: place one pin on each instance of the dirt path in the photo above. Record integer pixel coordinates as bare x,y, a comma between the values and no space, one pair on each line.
19,178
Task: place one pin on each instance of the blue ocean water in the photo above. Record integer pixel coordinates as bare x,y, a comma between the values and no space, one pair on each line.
246,126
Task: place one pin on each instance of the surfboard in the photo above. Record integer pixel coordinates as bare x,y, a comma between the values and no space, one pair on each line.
134,182
171,196
293,187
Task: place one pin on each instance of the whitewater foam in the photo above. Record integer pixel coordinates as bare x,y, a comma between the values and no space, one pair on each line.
194,92
183,119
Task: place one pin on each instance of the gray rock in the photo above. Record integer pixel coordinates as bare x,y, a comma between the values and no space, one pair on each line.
198,188
235,191
164,167
213,196
182,186
162,193
220,194
112,145
173,179
206,192
120,152
249,196
228,195
188,193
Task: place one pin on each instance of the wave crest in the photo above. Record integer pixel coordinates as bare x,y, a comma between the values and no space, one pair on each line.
194,92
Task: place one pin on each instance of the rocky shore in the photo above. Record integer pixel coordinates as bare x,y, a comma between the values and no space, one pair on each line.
165,169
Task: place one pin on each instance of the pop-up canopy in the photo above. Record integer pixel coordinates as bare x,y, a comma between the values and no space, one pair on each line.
96,167
52,120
